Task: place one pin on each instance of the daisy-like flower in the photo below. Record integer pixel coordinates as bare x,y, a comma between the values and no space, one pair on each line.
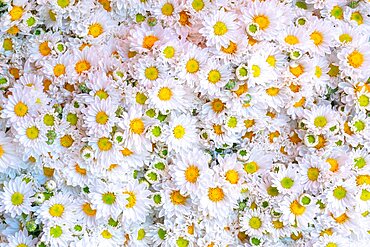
97,26
190,172
22,239
313,172
16,197
340,196
258,162
57,210
182,133
108,200
109,235
138,202
254,222
8,154
220,28
57,235
218,199
286,180
100,117
149,72
174,202
296,214
192,64
86,213
169,95
294,38
213,78
231,169
354,61
18,106
145,38
320,119
320,37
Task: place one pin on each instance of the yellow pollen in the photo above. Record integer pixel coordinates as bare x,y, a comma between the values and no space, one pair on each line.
216,194
16,13
341,219
82,66
95,30
300,103
334,166
297,71
104,144
192,174
192,66
137,126
345,38
151,73
317,38
232,176
20,109
101,118
184,18
355,59
44,48
131,199
106,234
80,170
230,49
296,208
256,70
32,132
273,91
291,40
313,173
126,152
220,28
271,60
179,132
217,105
148,41
320,121
262,21
59,70
177,198
56,210
214,76
86,208
167,9
164,94
217,129
66,141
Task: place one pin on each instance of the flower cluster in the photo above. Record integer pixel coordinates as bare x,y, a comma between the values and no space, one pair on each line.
184,123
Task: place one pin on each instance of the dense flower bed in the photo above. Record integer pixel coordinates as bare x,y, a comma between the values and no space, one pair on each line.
184,123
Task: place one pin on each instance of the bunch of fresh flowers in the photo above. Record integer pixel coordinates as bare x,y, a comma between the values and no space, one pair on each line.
184,123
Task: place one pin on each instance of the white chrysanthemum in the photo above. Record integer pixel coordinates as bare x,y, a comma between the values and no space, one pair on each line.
8,154
340,196
354,61
220,28
57,235
108,200
16,197
313,173
286,180
21,239
58,209
182,133
138,202
19,106
320,119
190,172
254,222
100,117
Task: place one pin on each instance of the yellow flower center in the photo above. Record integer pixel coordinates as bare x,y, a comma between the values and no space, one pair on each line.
137,126
217,129
262,21
56,210
339,192
164,94
1,151
220,28
197,5
273,91
184,18
63,3
296,208
101,94
86,208
22,245
363,100
151,73
8,44
126,152
317,38
363,179
334,166
20,109
214,76
251,167
106,234
16,13
271,60
341,219
104,144
101,118
140,98
357,17
232,176
179,132
297,70
44,48
131,199
331,244
255,222
355,59
313,173
291,40
320,121
82,66
192,66
169,52
109,198
256,70
287,183
345,38
277,224
17,198
95,30
66,141
80,170
365,195
216,194
337,12
217,105
59,70
318,71
192,174
32,132
300,103
177,198
167,9
230,49
148,41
